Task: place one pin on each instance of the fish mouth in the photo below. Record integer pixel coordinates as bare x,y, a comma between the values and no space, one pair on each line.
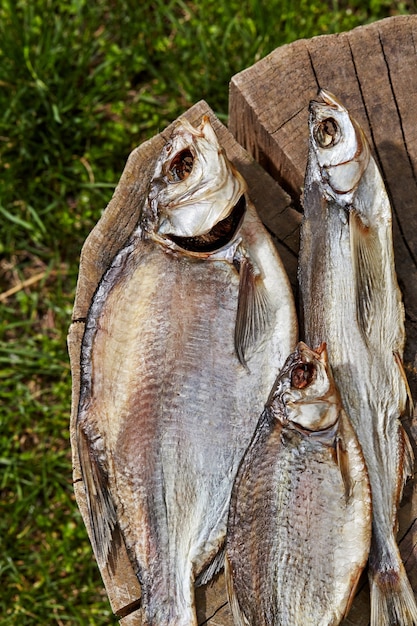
217,237
325,435
327,99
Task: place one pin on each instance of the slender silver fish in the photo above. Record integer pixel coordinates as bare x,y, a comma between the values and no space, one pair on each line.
351,300
299,526
183,338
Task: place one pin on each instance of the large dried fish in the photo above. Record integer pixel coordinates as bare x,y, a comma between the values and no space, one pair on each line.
183,337
351,300
299,525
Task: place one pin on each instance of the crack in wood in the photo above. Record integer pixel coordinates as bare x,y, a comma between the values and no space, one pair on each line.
397,108
291,234
129,609
365,108
282,241
276,130
406,532
313,69
213,615
411,552
377,155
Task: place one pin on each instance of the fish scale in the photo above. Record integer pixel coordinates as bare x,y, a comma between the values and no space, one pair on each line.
196,453
301,491
351,300
180,350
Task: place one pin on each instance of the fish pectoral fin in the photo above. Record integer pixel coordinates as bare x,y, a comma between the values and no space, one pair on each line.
369,285
342,459
106,536
407,457
253,311
211,570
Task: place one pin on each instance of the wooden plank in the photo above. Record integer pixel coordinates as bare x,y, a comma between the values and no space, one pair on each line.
371,69
108,236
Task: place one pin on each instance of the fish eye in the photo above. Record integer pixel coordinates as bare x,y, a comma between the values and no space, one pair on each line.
302,375
327,133
180,166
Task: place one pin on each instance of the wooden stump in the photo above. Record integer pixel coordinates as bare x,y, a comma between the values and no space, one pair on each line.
372,70
109,235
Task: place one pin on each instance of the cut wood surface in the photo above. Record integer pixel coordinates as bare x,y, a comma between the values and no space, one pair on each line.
109,235
371,69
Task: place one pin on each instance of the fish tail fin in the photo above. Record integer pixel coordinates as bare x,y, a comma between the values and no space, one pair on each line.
165,606
170,618
392,598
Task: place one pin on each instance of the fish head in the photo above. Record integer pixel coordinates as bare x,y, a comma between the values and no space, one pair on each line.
305,393
194,187
337,145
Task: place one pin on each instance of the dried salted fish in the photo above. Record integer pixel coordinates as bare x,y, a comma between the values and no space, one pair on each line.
299,525
182,340
351,300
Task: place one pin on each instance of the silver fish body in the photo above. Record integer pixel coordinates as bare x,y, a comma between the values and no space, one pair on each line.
351,300
176,360
299,525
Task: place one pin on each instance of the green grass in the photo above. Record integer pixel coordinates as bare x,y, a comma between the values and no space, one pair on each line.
81,84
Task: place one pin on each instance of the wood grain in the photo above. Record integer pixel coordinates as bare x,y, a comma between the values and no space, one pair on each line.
371,69
108,236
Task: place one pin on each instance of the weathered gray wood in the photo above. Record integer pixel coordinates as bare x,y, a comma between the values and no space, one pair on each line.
371,69
109,235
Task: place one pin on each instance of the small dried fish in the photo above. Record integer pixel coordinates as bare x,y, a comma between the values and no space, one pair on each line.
351,300
299,525
183,337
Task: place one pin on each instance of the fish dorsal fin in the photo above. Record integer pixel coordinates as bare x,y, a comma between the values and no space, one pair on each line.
368,273
253,310
106,536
